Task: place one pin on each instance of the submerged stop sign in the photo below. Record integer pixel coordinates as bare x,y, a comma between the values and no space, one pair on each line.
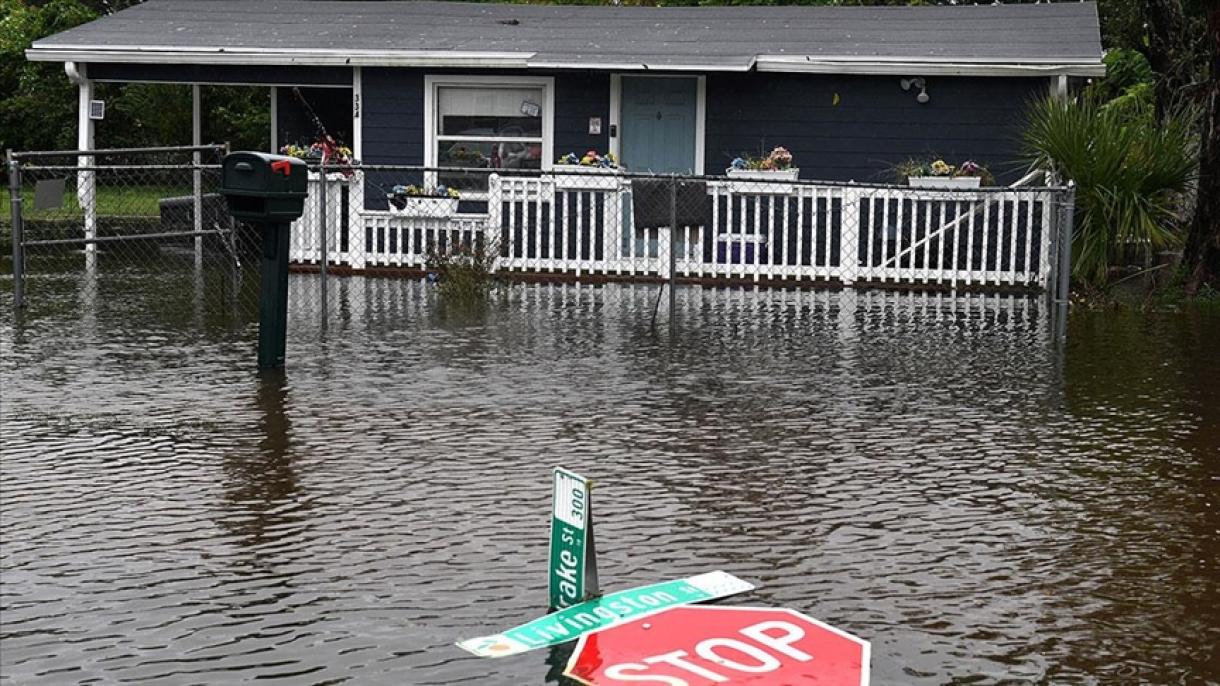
721,646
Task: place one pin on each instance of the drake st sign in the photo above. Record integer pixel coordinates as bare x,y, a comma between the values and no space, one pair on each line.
573,559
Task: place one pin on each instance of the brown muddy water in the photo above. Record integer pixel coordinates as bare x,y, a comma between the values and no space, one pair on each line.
926,472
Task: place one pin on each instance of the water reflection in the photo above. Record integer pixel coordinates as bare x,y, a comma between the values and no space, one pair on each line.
263,497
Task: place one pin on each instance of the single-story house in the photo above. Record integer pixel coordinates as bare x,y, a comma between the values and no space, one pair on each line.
850,91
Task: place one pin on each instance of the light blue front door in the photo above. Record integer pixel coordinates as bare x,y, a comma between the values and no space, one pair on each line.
658,124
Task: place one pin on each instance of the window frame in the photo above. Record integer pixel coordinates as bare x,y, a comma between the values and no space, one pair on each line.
432,138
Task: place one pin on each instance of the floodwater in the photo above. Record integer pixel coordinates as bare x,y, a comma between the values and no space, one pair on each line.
926,472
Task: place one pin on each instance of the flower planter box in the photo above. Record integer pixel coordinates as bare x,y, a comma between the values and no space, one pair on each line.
586,177
331,176
952,182
791,174
423,206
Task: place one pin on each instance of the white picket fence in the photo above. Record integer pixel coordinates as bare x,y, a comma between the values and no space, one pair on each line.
760,232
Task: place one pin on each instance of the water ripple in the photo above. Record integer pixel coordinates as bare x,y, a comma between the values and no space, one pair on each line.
924,471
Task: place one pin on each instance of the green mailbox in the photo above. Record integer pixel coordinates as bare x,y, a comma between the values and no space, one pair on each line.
261,187
268,191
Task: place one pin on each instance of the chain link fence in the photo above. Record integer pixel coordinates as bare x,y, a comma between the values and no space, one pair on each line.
154,221
102,229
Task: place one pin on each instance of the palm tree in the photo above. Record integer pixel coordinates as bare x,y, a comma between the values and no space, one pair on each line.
1132,173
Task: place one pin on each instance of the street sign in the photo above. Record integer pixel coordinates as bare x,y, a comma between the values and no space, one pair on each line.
721,646
573,566
604,612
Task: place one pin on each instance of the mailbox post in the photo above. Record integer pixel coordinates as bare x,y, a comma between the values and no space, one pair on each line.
268,191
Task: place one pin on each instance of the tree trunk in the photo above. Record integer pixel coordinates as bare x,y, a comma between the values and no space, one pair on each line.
1168,52
1201,256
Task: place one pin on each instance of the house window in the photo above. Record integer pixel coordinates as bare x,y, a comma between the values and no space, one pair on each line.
487,123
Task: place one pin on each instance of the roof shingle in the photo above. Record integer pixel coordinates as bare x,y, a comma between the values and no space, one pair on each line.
597,36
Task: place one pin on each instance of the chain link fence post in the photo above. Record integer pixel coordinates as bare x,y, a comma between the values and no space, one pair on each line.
849,236
1063,291
673,248
14,188
1065,242
323,231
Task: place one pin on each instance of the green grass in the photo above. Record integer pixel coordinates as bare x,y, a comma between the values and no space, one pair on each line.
131,201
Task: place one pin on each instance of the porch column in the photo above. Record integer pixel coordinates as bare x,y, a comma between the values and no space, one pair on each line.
357,132
1059,87
86,181
275,126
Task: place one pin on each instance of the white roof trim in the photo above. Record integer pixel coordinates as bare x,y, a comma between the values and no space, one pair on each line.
641,66
930,66
927,67
261,56
874,59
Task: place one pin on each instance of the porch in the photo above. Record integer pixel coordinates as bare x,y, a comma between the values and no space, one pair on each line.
592,227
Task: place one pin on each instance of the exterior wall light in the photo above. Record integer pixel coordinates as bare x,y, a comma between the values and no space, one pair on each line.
919,83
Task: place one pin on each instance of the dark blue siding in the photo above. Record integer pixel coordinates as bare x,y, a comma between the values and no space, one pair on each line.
578,97
392,116
874,125
202,73
392,125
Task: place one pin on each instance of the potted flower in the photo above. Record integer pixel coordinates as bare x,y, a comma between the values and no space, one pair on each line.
573,171
776,166
940,174
591,161
325,150
420,201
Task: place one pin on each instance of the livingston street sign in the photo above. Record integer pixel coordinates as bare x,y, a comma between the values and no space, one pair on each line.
573,564
610,610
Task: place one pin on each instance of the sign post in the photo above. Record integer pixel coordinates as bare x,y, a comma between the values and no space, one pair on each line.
573,560
721,646
604,612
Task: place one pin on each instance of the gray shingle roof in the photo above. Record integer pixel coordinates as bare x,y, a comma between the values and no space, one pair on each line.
729,38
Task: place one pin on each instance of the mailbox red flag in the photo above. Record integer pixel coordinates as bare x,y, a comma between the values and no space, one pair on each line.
702,645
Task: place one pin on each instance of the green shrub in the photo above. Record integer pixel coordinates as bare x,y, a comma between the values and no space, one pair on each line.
1131,173
464,272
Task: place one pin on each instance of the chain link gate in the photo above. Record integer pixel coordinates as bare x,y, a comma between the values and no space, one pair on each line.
96,226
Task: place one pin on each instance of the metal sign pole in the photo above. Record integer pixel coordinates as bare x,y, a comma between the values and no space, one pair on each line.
14,189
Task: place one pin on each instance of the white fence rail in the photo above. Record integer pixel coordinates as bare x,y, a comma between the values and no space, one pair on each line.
754,231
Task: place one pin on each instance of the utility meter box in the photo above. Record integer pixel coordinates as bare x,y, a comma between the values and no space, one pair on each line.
259,187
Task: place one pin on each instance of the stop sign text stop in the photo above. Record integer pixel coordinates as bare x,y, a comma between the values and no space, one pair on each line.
694,646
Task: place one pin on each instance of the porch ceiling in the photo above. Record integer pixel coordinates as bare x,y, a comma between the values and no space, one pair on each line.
1051,38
